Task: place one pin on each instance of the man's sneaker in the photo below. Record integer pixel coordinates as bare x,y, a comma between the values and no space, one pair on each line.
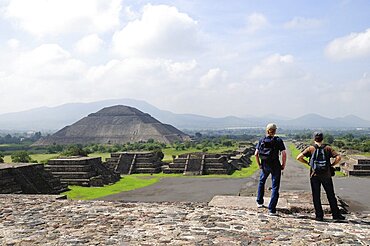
260,205
319,219
339,217
273,214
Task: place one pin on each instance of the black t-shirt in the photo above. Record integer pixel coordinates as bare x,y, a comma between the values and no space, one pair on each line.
278,146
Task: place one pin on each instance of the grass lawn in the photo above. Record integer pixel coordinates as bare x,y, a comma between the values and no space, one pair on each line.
37,157
125,184
103,156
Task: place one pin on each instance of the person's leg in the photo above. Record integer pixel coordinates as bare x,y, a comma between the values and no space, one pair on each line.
316,192
327,183
261,185
275,176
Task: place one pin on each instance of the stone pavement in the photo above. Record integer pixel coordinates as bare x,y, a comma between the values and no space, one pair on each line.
43,220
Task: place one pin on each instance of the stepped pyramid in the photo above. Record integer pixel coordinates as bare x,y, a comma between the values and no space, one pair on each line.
115,125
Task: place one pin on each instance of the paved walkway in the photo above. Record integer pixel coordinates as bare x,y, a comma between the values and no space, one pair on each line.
182,189
352,190
41,220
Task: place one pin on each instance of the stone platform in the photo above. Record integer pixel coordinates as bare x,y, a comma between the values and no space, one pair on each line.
43,220
289,202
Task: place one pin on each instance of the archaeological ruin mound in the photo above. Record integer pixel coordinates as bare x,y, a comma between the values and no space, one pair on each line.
115,125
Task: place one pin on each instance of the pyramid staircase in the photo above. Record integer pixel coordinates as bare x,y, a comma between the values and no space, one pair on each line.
135,162
83,171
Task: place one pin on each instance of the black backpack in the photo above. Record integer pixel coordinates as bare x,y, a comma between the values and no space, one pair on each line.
319,160
267,149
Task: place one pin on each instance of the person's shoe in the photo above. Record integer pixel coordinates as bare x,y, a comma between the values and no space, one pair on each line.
319,219
260,205
273,214
339,217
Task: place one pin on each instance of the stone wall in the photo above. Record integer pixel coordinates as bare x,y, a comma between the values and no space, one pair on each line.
28,178
84,171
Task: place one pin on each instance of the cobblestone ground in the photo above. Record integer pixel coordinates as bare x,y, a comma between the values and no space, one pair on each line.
42,220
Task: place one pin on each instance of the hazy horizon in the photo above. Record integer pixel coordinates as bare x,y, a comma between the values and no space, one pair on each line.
212,58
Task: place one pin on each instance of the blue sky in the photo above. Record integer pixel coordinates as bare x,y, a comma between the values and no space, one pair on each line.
214,58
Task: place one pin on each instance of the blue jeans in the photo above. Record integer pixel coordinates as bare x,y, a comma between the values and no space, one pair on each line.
275,172
327,183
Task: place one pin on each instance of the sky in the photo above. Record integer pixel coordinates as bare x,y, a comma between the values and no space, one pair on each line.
208,57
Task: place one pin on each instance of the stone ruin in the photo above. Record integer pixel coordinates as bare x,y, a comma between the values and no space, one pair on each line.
356,166
28,178
135,162
83,171
242,156
206,163
199,164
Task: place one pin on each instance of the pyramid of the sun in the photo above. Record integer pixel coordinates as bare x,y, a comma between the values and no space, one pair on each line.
115,125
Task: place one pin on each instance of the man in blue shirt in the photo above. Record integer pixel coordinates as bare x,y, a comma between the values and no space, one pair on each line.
267,155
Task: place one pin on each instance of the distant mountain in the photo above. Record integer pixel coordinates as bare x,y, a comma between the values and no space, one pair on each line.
318,121
55,118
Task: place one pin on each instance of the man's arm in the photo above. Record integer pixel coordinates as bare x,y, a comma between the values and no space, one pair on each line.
257,158
337,160
300,158
283,157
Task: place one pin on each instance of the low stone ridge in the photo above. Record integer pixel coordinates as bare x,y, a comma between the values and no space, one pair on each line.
115,125
136,162
46,221
84,171
357,166
28,178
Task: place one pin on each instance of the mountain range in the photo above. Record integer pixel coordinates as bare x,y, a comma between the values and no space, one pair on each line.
55,118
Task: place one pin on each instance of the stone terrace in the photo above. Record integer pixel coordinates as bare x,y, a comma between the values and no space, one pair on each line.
357,166
43,220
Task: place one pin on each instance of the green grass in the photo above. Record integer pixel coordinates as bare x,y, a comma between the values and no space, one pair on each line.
103,156
126,183
37,157
7,159
295,152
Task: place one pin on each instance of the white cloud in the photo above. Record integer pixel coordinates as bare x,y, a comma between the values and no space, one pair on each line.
44,17
162,31
273,67
13,43
49,61
256,22
355,45
89,44
213,77
302,23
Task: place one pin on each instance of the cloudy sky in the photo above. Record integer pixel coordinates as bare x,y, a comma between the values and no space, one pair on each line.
215,58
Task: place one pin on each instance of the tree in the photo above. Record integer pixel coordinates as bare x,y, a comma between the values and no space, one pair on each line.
75,150
329,138
1,158
21,157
